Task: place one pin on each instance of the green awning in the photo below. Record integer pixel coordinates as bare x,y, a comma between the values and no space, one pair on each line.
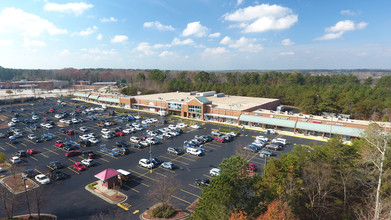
93,97
78,94
267,120
203,100
333,129
106,99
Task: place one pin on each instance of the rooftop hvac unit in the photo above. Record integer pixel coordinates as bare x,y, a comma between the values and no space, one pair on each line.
193,93
219,95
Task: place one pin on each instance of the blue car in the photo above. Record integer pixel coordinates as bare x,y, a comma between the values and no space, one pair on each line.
254,147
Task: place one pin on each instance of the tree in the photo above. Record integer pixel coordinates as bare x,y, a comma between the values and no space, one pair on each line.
163,190
374,152
278,210
231,190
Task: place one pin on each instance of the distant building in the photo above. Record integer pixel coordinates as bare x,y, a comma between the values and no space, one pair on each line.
24,84
82,82
105,83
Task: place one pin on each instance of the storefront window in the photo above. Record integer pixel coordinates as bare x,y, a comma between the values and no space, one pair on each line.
194,108
285,129
174,106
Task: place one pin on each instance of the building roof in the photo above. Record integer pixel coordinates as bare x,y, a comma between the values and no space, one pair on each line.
203,100
107,174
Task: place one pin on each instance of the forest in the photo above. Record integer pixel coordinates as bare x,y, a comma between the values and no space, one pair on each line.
332,181
361,98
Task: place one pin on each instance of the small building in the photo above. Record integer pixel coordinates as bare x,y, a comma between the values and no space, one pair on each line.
109,178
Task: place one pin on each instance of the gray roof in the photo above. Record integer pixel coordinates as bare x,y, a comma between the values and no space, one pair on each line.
203,100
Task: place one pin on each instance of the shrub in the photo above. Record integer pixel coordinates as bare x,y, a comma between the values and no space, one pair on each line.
224,130
3,157
163,211
92,185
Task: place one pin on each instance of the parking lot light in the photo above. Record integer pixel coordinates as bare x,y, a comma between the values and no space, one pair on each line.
27,198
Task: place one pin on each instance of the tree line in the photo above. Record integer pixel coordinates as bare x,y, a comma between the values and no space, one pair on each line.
333,181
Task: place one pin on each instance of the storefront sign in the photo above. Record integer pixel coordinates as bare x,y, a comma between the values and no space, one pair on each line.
335,123
303,119
281,117
317,122
258,114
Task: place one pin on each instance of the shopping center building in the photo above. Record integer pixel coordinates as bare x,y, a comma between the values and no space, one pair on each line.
239,110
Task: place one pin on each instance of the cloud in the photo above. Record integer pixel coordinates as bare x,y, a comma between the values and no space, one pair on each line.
65,53
261,18
5,43
196,29
177,41
159,26
166,53
239,2
287,53
336,31
14,20
34,43
215,51
111,19
97,51
76,8
144,47
217,34
119,39
243,44
287,42
99,37
87,32
348,12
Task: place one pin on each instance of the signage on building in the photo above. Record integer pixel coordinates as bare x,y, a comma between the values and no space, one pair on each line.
258,114
335,123
281,117
303,119
317,122
151,103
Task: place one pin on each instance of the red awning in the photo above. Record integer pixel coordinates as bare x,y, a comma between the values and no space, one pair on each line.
106,174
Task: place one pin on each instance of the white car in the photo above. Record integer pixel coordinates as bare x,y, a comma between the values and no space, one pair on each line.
106,136
83,129
182,125
84,137
75,120
173,133
15,160
93,140
214,172
42,179
262,138
233,134
146,163
15,120
139,128
92,135
58,116
105,131
144,143
270,131
134,124
31,136
151,141
279,140
88,162
48,126
128,131
63,121
137,117
11,124
195,126
193,151
134,139
35,117
153,120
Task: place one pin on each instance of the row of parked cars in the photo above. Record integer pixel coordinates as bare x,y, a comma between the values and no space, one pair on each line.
261,144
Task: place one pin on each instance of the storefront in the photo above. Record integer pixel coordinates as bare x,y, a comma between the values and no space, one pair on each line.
221,118
268,122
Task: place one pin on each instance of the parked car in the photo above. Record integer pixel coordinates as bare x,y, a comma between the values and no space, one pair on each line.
31,151
57,175
83,129
72,153
195,126
15,160
194,151
146,163
273,146
174,150
69,147
42,179
155,160
20,153
216,133
251,167
202,182
121,144
29,173
248,148
134,139
88,154
167,165
79,166
59,143
266,153
214,172
88,162
54,165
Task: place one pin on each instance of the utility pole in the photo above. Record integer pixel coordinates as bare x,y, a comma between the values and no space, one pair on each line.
150,155
27,198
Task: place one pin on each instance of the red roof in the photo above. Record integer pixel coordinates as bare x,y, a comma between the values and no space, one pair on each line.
107,174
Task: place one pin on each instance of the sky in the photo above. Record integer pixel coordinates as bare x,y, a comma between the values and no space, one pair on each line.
195,34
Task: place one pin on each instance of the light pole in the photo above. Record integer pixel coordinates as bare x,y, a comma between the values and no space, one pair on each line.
161,106
150,155
27,198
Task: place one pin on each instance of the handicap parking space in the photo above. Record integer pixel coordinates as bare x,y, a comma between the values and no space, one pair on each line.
187,167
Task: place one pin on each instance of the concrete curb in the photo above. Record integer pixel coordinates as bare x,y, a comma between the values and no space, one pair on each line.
36,214
35,185
104,198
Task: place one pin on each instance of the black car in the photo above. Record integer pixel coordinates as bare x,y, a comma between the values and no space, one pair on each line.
29,173
248,148
21,153
124,151
47,138
16,115
55,165
174,150
37,140
62,130
137,145
202,182
88,154
85,143
69,147
13,141
121,144
57,175
155,160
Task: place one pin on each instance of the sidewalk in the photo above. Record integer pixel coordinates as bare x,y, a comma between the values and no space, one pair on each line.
109,195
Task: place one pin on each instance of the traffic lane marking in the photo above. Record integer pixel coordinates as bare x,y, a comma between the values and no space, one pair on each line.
143,175
71,168
140,182
166,169
2,148
51,151
11,145
153,172
171,159
38,171
181,199
195,186
33,158
132,188
189,193
124,206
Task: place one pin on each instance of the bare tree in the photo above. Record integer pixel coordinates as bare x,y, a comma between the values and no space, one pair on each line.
374,152
163,190
9,200
111,214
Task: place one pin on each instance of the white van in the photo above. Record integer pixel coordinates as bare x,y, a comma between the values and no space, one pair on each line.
279,140
162,113
193,151
125,175
104,106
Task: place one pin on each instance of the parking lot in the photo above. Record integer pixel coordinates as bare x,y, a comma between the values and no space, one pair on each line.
68,199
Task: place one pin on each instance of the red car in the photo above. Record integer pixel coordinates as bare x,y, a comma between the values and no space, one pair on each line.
220,139
70,132
52,110
79,166
31,151
78,111
251,167
143,138
72,153
113,123
120,133
46,119
59,143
